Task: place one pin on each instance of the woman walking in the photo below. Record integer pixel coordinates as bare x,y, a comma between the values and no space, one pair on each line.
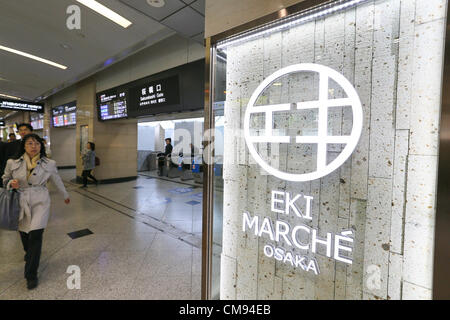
88,163
29,173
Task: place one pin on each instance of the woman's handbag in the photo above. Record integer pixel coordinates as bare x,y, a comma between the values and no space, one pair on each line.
9,209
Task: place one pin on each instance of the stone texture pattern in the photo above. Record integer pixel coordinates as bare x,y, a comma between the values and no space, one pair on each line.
391,51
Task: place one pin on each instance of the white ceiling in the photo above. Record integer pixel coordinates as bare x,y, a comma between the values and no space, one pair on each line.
39,28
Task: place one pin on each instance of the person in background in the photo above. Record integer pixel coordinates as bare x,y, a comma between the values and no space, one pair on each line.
12,137
163,156
29,173
2,155
88,163
168,149
194,150
12,148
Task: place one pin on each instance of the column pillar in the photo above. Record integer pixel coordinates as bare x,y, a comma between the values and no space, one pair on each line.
115,141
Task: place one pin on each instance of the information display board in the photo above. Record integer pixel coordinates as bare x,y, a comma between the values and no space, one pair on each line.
112,104
21,105
65,115
37,121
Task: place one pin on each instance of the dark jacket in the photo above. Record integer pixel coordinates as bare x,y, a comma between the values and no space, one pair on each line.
168,150
2,157
9,151
12,149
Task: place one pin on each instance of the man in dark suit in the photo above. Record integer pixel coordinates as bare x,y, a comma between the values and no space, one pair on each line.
169,148
12,137
12,148
2,156
162,157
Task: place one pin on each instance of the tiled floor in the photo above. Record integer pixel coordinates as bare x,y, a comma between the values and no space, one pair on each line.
146,244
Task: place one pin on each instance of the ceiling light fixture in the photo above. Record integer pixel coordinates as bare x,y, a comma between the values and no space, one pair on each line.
65,46
156,3
106,12
27,55
7,96
289,22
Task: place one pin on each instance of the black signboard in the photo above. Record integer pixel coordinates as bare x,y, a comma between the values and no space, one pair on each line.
112,104
21,105
180,89
162,92
65,115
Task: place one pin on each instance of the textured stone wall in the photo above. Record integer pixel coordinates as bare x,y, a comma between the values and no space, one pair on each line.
392,53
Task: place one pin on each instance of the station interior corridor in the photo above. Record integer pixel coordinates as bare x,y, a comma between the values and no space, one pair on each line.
241,150
145,243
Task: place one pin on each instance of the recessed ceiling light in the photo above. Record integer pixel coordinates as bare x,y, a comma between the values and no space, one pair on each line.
156,3
65,46
27,55
106,12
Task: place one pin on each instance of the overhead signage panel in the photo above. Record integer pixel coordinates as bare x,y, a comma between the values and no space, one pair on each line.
158,93
21,105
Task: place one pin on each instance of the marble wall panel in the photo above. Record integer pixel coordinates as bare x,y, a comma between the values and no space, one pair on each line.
377,234
405,64
324,282
363,85
420,220
426,86
382,117
398,190
415,292
269,286
235,204
340,282
344,189
386,27
228,275
329,204
395,276
247,271
355,271
296,42
430,10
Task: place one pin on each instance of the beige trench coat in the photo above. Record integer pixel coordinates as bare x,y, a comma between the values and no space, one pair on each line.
34,195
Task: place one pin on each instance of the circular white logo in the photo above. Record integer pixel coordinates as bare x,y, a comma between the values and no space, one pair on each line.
322,139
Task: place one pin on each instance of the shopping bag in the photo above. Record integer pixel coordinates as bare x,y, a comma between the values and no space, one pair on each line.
9,209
